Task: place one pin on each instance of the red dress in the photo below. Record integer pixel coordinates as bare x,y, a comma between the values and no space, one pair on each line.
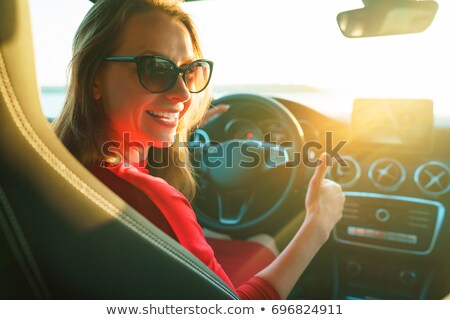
170,211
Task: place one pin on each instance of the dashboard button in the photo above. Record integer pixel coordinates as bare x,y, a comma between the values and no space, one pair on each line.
382,215
408,278
353,268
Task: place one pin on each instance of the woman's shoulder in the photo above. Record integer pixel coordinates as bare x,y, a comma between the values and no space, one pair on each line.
139,175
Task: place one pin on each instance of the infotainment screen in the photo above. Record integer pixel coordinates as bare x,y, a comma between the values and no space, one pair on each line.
404,125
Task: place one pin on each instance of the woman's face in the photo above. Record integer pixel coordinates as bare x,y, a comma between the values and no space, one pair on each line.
132,111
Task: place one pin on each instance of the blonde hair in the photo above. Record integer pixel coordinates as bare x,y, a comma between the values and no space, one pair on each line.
82,125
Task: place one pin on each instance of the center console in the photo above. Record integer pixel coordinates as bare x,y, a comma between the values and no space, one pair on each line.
397,231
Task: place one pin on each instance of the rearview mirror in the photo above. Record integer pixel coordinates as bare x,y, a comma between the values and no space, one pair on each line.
387,17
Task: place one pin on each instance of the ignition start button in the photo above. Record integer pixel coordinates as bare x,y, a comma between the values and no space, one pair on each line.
382,215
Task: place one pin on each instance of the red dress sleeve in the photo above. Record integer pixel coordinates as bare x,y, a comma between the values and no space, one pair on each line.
257,289
180,216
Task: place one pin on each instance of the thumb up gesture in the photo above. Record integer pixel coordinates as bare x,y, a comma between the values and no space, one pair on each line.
324,200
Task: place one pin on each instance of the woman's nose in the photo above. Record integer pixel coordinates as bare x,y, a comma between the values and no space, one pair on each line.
179,92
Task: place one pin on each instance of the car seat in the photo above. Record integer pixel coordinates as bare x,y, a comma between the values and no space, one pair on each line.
63,234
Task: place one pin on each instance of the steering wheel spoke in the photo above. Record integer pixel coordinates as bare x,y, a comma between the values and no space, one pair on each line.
231,208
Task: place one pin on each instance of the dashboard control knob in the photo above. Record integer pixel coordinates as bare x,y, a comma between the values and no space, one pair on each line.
353,268
382,215
408,277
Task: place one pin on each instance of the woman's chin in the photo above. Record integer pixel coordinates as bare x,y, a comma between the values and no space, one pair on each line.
163,142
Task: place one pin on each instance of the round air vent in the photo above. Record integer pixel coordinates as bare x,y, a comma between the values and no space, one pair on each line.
433,178
387,174
348,175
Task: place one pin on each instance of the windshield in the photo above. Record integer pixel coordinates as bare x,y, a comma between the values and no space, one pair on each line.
286,48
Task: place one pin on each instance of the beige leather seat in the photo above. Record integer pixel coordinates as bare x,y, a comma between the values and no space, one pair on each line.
64,235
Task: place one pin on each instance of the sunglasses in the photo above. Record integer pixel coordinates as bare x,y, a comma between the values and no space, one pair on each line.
159,74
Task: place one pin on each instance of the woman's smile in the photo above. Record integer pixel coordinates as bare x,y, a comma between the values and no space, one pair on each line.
169,119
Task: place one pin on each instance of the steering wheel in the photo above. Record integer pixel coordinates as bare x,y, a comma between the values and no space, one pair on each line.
243,181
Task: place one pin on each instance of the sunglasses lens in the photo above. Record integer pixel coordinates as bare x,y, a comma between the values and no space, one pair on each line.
197,76
156,74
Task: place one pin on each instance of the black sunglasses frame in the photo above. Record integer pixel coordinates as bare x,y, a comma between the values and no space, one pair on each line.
137,60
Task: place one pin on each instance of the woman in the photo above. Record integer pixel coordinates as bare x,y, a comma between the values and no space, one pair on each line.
138,83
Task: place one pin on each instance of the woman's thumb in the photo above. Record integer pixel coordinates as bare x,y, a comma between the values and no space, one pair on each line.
319,175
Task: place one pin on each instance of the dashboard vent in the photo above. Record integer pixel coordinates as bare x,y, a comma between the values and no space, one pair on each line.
433,178
387,174
348,175
352,211
420,219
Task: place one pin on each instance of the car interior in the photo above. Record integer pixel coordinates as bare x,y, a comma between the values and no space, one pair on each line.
65,235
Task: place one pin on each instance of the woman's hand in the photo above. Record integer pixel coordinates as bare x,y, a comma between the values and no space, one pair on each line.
324,200
212,112
324,205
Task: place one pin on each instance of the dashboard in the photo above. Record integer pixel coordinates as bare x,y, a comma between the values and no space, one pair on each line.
391,241
393,165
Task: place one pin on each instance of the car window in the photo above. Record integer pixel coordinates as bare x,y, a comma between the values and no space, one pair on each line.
54,24
288,48
294,48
